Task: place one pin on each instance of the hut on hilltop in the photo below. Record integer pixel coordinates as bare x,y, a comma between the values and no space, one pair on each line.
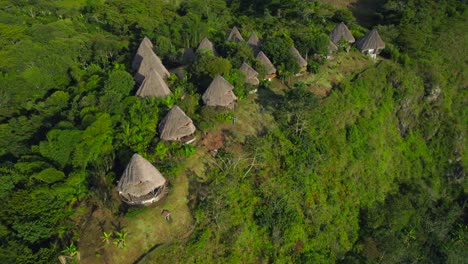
141,183
153,85
208,45
250,74
269,67
342,34
371,44
177,126
299,59
219,93
235,35
254,43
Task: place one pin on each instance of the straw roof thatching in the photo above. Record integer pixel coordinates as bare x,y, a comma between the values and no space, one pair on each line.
150,61
371,41
143,50
153,85
219,93
235,35
341,32
254,43
332,47
299,59
269,67
176,125
207,44
146,41
189,56
140,178
250,73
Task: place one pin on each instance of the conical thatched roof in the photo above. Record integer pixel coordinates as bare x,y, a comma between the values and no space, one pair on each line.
332,47
370,41
250,73
150,61
153,85
140,177
145,49
207,44
254,43
341,32
299,59
176,125
146,41
219,93
189,56
235,35
270,68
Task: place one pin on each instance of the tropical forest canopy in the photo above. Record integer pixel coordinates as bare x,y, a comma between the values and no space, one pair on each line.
373,172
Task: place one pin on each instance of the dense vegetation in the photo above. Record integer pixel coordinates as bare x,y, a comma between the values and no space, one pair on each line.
373,172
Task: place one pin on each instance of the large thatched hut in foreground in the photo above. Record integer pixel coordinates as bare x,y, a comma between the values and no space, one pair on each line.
250,74
141,183
341,34
235,35
269,67
371,44
219,93
153,85
177,126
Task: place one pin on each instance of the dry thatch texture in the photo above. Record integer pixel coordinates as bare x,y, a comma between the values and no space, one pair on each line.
332,47
235,35
371,41
299,59
269,67
140,178
145,49
254,43
149,63
153,85
250,73
219,93
176,125
189,56
207,44
341,32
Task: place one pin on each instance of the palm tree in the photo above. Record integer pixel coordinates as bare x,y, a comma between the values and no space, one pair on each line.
106,237
120,240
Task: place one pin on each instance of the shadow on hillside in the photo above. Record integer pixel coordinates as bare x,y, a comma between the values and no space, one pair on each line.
267,99
365,12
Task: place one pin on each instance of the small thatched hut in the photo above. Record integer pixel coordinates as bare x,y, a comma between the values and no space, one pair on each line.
269,67
250,74
189,56
341,34
371,44
299,59
219,93
235,35
149,62
208,45
141,183
153,85
254,43
143,50
177,126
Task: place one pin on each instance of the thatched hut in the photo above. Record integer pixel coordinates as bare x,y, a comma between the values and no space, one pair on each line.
219,93
141,183
269,67
208,45
235,35
143,50
342,34
149,62
189,56
254,43
177,126
299,59
371,44
153,85
250,74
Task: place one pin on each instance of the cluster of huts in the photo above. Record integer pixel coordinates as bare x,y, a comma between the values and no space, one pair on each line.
141,182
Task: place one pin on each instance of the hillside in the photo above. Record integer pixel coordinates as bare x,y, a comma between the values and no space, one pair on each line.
349,159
